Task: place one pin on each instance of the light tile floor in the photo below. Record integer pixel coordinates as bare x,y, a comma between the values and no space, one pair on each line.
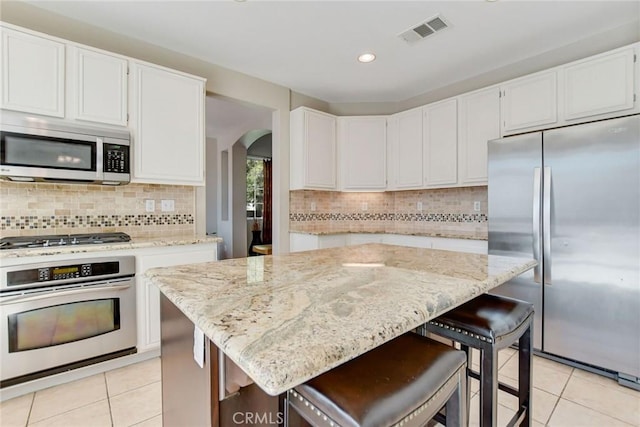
131,396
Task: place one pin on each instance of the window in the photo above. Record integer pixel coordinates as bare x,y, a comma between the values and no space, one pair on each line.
255,188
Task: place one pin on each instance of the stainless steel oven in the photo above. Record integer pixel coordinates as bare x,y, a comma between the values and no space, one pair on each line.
56,316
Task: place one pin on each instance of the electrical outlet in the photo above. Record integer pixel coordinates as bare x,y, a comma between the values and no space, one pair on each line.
476,206
419,206
313,206
150,205
167,205
365,206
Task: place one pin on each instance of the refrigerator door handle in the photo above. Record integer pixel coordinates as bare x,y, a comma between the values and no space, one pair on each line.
546,225
537,236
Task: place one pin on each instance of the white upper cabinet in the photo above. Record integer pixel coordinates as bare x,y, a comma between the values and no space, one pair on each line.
167,119
479,122
32,73
313,150
97,86
404,139
599,85
529,102
440,137
362,143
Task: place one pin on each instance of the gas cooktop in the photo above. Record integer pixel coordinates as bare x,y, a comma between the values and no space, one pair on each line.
62,240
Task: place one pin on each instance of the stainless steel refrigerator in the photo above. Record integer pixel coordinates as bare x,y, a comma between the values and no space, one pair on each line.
570,197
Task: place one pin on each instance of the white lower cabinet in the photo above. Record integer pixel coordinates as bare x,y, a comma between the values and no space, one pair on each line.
299,242
307,242
460,245
148,296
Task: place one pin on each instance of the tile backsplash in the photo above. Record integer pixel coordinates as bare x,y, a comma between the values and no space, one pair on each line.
45,208
447,211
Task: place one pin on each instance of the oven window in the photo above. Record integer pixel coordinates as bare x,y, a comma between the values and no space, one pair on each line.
64,323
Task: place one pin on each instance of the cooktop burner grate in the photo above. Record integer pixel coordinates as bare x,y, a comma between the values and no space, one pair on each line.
54,240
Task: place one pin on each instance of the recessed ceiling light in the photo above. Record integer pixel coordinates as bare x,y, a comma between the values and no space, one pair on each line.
366,57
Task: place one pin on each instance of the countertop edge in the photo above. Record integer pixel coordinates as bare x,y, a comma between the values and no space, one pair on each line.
135,243
439,235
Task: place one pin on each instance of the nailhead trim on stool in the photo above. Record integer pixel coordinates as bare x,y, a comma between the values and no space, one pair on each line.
505,321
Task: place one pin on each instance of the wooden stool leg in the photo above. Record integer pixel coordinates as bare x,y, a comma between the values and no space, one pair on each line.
525,366
456,407
467,351
488,386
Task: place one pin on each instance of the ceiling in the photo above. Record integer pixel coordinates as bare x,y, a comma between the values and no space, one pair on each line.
311,46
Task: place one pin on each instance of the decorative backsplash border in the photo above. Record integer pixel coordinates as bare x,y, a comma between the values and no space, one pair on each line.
389,216
85,221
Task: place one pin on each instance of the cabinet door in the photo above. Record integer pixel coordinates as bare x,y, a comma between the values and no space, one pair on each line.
405,137
363,152
599,85
312,150
440,143
320,150
100,87
32,74
479,122
148,304
168,124
529,102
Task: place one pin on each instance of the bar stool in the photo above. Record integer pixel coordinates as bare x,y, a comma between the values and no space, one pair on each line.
404,382
490,323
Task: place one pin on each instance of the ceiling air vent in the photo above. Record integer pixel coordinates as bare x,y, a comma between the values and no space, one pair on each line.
424,29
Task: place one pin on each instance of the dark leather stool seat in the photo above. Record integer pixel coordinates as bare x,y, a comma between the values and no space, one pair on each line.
491,323
403,382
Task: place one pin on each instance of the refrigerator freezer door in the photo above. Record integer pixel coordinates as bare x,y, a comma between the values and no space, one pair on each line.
592,302
514,167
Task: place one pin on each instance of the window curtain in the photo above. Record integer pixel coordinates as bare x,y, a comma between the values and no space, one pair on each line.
267,207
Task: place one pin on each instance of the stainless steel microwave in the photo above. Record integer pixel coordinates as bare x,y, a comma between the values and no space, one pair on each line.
34,148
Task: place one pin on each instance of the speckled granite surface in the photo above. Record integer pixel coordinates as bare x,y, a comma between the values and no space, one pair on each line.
133,244
287,318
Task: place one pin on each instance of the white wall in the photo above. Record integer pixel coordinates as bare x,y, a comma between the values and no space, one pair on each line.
211,176
229,121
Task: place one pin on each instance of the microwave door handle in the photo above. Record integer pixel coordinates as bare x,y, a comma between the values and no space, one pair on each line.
53,293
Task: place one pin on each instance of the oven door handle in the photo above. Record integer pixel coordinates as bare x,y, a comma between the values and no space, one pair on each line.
53,293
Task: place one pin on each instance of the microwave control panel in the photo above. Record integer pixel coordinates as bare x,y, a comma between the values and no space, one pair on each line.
116,158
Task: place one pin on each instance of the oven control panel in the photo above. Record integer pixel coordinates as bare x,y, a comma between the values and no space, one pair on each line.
66,272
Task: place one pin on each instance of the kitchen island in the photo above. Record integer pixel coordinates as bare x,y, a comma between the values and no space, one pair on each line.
285,319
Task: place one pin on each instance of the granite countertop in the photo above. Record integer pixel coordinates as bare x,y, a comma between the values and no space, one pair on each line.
284,319
444,234
135,243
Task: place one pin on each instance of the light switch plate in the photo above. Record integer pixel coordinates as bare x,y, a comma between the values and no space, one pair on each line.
150,205
476,206
167,205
